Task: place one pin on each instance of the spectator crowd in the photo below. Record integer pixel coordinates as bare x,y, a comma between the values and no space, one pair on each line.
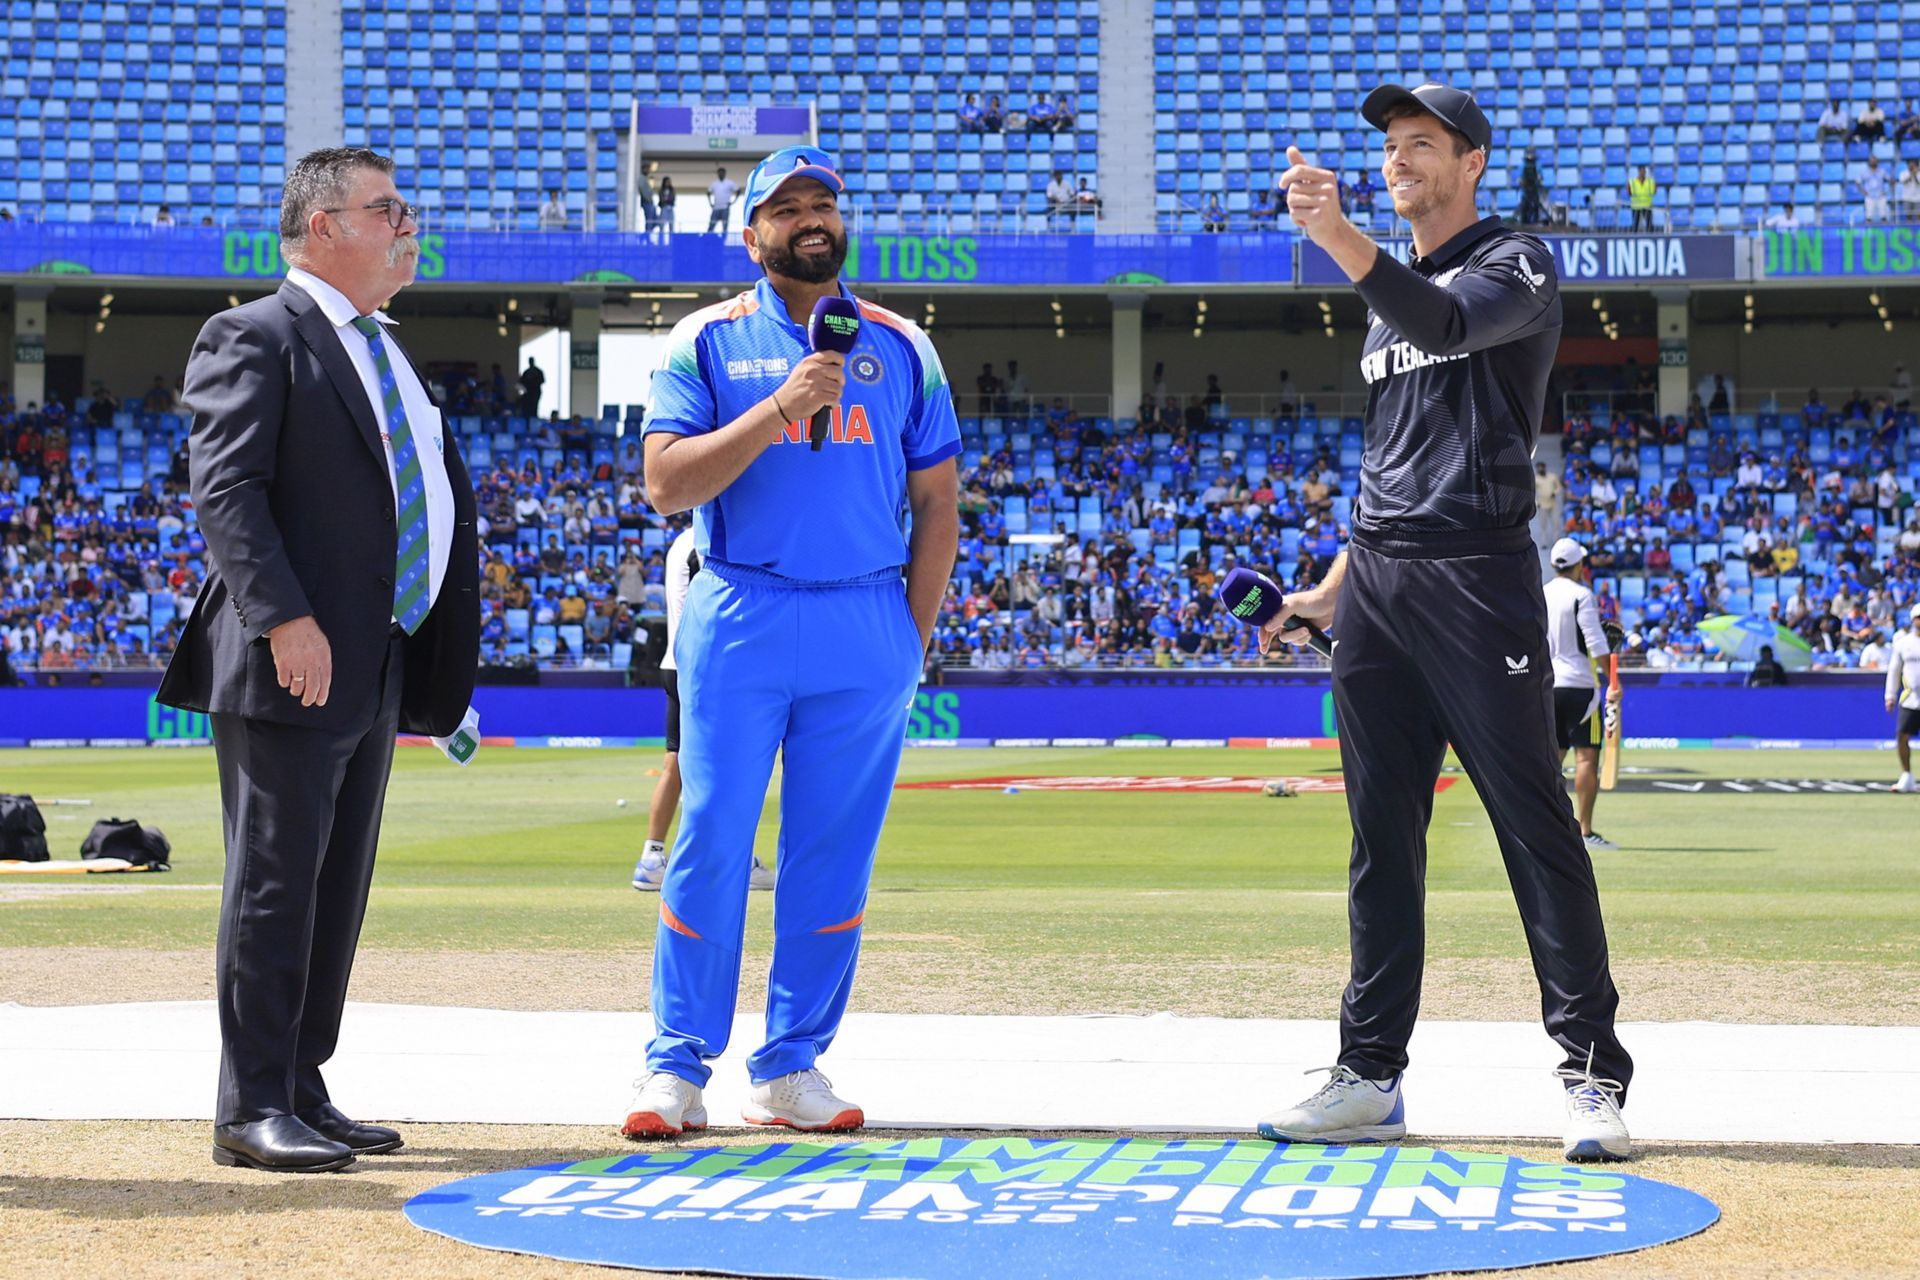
100,556
1038,115
1805,516
1084,541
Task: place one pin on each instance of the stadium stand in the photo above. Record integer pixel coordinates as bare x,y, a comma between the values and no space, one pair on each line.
491,108
1805,516
100,557
1720,99
112,112
487,109
1808,516
1154,515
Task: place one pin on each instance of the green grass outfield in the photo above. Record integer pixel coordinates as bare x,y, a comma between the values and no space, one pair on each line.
527,851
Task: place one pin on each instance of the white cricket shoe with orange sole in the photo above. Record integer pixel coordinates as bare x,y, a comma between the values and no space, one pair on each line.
802,1100
664,1106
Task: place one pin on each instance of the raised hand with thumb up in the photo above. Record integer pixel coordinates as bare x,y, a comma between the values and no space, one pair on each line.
1313,197
1313,202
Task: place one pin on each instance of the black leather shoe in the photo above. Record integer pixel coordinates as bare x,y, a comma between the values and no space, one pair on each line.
329,1121
278,1144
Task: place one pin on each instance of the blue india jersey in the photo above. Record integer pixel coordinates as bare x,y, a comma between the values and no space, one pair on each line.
831,516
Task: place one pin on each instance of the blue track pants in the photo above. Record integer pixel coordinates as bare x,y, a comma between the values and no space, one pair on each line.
824,675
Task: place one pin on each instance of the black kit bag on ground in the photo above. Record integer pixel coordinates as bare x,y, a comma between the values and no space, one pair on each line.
23,832
124,838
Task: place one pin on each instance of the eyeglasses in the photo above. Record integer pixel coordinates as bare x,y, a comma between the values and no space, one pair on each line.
395,211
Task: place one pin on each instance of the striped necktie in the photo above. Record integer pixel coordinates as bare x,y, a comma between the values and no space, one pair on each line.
412,567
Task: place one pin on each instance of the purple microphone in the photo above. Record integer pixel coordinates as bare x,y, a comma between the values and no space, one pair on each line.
1255,600
834,327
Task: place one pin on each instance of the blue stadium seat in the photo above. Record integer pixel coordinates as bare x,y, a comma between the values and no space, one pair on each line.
486,108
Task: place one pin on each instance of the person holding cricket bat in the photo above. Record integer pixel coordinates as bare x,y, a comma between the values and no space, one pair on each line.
1578,641
1441,632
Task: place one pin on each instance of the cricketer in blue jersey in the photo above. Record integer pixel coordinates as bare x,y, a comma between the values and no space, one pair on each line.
799,636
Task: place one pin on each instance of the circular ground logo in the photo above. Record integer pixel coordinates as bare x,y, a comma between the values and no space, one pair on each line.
944,1208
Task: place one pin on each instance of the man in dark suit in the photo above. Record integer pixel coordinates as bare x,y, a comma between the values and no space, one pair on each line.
340,607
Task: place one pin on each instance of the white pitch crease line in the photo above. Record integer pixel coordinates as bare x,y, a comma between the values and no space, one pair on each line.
429,1063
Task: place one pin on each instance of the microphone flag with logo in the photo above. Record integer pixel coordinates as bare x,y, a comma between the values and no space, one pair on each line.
1255,599
834,327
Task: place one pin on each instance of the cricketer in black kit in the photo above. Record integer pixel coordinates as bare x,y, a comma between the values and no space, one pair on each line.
1439,621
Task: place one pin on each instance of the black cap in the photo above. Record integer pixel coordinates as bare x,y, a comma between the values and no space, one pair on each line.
1454,108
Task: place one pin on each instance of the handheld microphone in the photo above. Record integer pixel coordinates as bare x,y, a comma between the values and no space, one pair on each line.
1254,599
834,327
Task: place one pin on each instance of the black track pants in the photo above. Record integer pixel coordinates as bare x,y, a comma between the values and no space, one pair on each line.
1438,651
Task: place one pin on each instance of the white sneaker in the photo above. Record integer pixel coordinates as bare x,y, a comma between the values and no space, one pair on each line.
801,1100
1348,1108
1597,843
1903,785
1595,1130
650,871
761,877
664,1106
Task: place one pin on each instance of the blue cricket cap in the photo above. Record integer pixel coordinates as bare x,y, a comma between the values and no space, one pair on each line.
786,164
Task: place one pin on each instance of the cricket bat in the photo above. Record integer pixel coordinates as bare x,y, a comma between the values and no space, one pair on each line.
1610,749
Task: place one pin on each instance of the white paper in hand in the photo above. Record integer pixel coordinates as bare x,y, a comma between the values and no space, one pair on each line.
463,744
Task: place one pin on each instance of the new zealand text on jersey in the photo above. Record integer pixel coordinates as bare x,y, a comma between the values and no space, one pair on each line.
1405,358
848,427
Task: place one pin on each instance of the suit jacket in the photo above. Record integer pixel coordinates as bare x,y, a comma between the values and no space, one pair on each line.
291,485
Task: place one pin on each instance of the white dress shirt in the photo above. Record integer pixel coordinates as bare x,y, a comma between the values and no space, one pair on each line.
429,431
